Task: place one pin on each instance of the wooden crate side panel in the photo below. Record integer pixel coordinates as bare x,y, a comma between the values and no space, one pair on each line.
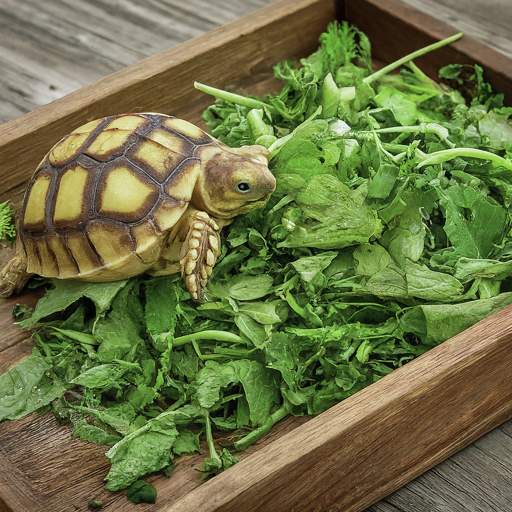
381,438
242,52
396,29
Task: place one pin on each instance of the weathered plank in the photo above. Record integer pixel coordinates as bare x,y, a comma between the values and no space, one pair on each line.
74,28
50,49
488,22
65,474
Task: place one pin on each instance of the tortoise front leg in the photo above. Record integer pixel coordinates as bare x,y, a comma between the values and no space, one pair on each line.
199,252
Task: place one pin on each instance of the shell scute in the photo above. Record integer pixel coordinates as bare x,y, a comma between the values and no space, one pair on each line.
89,127
125,193
71,198
156,160
172,141
83,252
110,240
34,217
49,266
168,213
67,149
109,144
129,122
180,184
148,242
66,264
189,130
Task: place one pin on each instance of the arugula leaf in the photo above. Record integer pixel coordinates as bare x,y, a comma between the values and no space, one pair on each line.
474,224
260,389
244,287
437,323
333,216
119,331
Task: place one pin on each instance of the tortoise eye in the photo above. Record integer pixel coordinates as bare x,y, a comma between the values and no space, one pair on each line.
243,186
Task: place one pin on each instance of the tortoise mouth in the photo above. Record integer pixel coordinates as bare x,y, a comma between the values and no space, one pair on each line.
264,199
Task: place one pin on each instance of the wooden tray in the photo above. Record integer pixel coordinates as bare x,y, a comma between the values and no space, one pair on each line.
344,459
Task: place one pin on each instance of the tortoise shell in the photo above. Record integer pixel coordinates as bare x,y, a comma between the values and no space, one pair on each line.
104,195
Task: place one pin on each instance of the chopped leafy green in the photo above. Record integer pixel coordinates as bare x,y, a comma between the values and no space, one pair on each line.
141,492
93,434
28,386
388,233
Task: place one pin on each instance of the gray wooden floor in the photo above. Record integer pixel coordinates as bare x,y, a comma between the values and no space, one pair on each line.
50,48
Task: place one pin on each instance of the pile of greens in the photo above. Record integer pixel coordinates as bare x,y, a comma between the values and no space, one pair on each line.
389,232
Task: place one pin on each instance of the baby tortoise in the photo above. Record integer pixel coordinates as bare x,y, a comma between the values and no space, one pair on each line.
134,193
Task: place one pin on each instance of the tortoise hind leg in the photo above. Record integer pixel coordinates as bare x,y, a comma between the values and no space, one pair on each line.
14,276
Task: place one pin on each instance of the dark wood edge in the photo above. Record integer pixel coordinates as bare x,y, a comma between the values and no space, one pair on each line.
344,454
265,469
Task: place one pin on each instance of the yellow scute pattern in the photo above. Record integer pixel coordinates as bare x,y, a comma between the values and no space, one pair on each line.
89,127
108,144
67,148
70,196
36,204
157,160
182,185
149,244
112,243
171,141
124,192
184,127
126,123
168,214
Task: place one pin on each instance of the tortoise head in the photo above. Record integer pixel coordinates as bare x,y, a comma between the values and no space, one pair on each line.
234,181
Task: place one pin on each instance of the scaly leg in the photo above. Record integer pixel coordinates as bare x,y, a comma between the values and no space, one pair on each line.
14,276
199,252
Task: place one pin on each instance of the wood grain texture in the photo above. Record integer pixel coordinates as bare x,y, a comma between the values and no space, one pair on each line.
488,22
52,48
414,29
443,489
64,474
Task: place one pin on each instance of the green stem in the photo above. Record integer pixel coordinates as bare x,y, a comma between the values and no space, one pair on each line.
259,432
390,67
443,156
423,77
395,148
258,127
86,339
439,130
234,98
208,335
209,440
